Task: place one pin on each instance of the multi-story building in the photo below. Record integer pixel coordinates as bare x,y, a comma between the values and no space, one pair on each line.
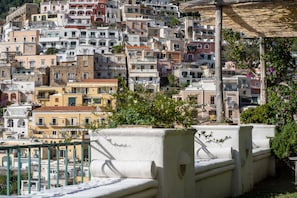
60,123
82,13
53,7
189,73
14,91
36,61
16,121
236,92
72,41
110,66
20,15
201,52
142,68
92,92
81,69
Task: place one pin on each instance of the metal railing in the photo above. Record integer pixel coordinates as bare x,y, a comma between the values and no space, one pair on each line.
52,149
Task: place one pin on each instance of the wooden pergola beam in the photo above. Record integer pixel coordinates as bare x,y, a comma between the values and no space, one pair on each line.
255,18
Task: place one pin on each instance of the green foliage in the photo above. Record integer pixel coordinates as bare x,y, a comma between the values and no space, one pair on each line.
5,5
153,109
13,183
284,143
260,114
283,102
173,22
51,50
279,61
244,52
118,49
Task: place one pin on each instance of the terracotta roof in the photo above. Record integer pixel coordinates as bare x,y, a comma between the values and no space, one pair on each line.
65,108
111,80
137,47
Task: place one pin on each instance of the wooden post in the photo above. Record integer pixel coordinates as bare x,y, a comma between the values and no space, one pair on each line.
263,86
218,64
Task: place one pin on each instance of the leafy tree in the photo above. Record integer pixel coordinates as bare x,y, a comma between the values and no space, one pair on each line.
279,61
51,50
155,109
244,52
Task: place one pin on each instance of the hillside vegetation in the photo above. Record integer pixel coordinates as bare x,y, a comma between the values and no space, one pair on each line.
5,5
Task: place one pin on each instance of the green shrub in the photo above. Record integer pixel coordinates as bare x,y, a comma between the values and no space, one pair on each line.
284,143
261,114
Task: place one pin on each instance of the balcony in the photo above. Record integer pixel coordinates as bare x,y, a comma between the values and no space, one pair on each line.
47,157
40,124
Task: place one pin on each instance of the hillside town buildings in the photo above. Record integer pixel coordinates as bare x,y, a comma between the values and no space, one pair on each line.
60,62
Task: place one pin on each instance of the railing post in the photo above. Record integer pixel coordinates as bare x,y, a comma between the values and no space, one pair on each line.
19,171
29,170
58,164
8,173
48,167
66,165
74,163
39,168
89,160
82,162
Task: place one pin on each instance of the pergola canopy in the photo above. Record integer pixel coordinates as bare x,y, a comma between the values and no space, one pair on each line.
254,18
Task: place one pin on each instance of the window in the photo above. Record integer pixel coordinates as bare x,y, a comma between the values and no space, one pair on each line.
70,76
176,46
32,63
212,100
42,62
85,63
57,76
40,121
71,101
10,123
206,46
97,100
87,120
54,121
85,75
2,73
62,153
54,132
199,46
230,113
72,122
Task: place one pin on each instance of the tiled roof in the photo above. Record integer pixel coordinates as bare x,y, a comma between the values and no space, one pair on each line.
65,108
111,80
137,47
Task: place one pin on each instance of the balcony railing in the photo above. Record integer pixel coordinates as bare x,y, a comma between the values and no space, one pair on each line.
61,166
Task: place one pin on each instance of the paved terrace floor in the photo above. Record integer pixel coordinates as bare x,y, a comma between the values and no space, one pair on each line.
280,186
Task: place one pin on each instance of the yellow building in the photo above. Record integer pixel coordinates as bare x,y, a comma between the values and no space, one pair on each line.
89,92
64,123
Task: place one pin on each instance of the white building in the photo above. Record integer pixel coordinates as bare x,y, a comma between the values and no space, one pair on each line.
142,68
16,121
